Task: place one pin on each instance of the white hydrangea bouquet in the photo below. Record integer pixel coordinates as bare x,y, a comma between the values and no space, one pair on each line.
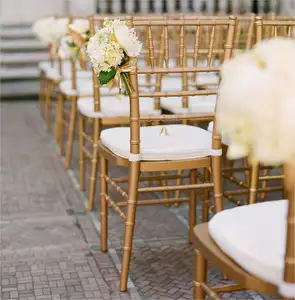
72,45
50,30
256,103
114,47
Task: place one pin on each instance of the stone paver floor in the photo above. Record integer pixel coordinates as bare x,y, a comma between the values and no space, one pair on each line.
50,244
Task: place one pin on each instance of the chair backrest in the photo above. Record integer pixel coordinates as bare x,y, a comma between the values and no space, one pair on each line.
266,29
97,21
135,118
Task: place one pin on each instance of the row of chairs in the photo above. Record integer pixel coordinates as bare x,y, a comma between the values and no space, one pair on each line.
177,73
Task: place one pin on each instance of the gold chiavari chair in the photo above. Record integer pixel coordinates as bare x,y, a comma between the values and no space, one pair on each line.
71,88
252,261
52,74
156,148
206,104
49,70
105,109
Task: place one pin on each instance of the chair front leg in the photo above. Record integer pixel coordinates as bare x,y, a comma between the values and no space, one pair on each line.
254,181
103,204
206,200
192,205
200,276
134,172
48,104
59,123
217,182
42,91
81,151
71,132
94,162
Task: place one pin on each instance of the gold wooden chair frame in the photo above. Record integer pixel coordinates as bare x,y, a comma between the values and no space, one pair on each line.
207,250
97,123
48,83
72,95
136,165
45,82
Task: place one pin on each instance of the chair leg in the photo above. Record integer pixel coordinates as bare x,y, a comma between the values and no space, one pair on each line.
134,171
217,181
103,204
45,83
192,205
81,151
206,204
94,162
285,192
71,133
200,276
246,173
59,123
48,104
42,90
178,182
254,180
265,172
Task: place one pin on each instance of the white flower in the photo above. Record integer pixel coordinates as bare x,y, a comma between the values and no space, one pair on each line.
104,56
60,29
65,51
256,107
127,38
80,26
50,30
43,30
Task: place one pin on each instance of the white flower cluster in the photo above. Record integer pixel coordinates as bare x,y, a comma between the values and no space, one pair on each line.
50,30
65,51
111,44
68,46
256,105
80,26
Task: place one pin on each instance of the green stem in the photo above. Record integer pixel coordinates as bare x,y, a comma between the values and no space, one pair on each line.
127,83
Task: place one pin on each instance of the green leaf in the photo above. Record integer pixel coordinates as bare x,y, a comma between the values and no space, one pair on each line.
105,77
75,54
71,44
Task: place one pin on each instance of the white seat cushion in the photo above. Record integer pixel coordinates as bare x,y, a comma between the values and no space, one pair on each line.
182,142
172,84
225,140
84,87
53,74
207,79
197,104
255,237
113,106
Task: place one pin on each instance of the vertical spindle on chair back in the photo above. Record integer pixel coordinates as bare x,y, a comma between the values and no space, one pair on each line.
96,84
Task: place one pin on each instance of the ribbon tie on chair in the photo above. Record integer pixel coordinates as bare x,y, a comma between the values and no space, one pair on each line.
80,41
